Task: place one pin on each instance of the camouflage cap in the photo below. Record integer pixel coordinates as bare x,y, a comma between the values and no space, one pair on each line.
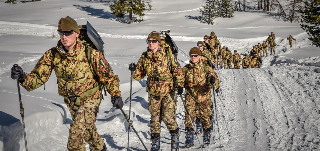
155,35
68,23
195,50
200,42
212,34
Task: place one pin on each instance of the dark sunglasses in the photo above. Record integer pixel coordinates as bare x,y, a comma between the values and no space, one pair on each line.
67,33
152,41
194,55
205,38
200,46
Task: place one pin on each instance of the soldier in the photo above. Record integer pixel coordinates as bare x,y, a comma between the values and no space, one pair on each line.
254,50
264,48
290,38
272,45
214,42
273,36
255,61
76,83
205,52
162,69
236,60
199,79
229,58
260,49
223,57
246,61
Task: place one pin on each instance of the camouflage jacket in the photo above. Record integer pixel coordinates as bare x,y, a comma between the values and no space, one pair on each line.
73,71
255,62
246,62
213,42
272,43
264,45
162,70
236,58
290,38
208,54
197,78
229,55
223,54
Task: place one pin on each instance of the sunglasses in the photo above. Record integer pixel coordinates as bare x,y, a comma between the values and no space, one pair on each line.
205,38
194,55
67,33
152,41
200,46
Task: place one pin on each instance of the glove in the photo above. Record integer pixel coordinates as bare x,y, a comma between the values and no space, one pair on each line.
217,90
132,67
117,102
17,73
212,80
180,90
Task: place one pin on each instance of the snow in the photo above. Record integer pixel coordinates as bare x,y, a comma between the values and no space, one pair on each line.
275,107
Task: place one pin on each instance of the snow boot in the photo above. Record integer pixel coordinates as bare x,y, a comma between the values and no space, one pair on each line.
155,142
189,137
198,126
174,139
104,147
206,136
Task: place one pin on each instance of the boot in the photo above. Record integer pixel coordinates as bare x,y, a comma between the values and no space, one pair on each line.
198,126
174,140
155,144
206,136
189,137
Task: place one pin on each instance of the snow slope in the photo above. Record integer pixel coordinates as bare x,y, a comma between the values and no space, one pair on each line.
275,107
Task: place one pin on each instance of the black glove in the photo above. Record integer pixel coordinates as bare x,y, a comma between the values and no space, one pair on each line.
180,90
132,67
17,73
217,90
117,102
212,80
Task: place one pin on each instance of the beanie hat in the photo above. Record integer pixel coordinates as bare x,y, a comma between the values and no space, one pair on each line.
154,35
200,42
206,36
68,23
235,50
195,50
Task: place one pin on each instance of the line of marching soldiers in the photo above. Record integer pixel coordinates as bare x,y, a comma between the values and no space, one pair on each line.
223,57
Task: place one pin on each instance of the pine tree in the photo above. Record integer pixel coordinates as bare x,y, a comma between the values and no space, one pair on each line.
209,11
131,7
226,8
311,17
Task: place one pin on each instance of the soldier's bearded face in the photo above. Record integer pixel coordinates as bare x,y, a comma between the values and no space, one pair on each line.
70,40
195,58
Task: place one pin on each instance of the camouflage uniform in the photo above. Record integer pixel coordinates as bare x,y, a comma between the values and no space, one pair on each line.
76,82
205,52
259,49
254,50
198,93
246,62
264,48
255,61
161,68
290,38
272,45
229,59
223,58
236,61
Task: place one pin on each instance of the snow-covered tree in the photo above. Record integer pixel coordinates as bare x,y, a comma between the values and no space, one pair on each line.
210,11
311,20
226,8
131,7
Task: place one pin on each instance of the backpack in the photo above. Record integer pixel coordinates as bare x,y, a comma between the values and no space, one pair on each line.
91,39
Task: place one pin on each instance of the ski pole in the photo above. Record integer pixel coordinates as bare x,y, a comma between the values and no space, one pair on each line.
185,106
129,122
216,110
130,108
22,113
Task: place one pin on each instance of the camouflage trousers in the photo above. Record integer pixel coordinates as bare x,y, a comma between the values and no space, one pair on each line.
236,65
162,108
199,107
265,52
272,50
83,127
223,63
229,65
290,43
